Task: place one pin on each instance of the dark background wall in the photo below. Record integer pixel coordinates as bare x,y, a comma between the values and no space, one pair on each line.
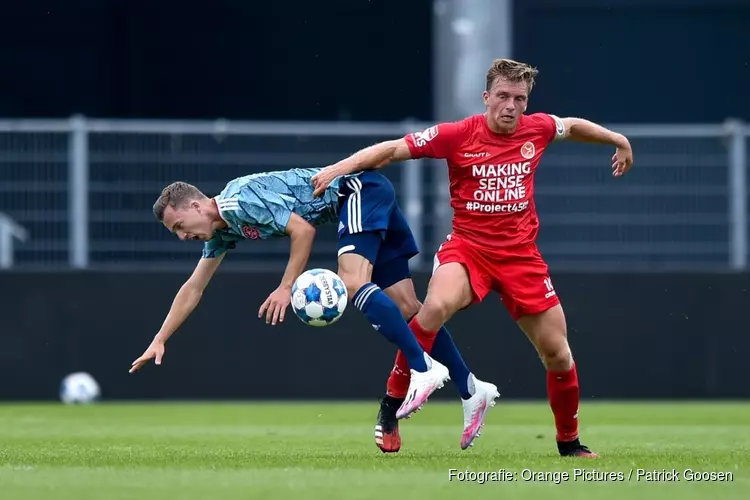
224,58
643,336
614,61
638,60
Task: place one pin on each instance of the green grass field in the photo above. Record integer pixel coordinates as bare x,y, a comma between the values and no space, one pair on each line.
326,451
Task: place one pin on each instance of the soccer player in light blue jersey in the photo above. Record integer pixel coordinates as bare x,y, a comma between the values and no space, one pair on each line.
375,245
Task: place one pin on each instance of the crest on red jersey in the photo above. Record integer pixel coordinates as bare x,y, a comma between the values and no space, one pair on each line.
528,150
250,233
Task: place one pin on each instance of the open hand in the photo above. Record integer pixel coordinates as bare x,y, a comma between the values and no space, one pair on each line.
275,305
155,351
322,180
622,160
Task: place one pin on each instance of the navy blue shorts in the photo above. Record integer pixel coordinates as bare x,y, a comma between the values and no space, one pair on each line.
372,225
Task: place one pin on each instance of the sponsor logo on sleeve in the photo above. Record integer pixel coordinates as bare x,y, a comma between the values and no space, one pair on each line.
422,138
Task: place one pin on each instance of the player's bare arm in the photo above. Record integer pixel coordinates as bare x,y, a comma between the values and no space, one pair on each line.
372,157
579,129
302,234
184,303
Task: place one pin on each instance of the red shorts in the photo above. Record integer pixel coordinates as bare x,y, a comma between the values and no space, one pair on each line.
520,277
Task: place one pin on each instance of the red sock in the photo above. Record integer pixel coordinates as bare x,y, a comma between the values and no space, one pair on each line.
564,395
398,381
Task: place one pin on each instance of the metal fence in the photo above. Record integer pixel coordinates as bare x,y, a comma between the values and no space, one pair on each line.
78,193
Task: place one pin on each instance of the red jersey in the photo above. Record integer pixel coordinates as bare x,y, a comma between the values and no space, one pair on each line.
491,175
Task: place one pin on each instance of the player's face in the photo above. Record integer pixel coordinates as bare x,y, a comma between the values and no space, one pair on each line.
189,223
506,102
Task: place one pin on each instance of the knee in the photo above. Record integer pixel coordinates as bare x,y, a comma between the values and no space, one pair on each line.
556,354
549,334
434,313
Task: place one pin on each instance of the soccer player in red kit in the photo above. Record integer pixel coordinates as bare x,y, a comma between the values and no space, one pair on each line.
492,158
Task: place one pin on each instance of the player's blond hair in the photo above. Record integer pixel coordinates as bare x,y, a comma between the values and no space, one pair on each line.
176,195
512,71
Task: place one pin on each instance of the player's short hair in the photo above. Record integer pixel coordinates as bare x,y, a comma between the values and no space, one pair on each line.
176,195
511,70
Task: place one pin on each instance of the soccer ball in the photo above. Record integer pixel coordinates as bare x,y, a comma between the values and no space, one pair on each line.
319,297
79,388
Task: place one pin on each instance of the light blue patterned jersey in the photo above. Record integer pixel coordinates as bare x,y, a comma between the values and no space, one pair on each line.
259,206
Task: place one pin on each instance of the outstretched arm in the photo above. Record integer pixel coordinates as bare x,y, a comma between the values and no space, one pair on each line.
184,303
578,129
376,156
372,157
437,141
302,234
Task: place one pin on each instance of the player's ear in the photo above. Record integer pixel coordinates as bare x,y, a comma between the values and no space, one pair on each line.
485,97
195,204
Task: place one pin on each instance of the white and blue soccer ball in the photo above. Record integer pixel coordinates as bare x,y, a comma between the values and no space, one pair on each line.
319,297
79,388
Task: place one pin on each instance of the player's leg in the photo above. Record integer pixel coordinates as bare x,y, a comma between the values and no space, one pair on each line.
394,278
405,296
534,304
356,270
364,219
457,282
440,345
393,274
548,332
397,248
